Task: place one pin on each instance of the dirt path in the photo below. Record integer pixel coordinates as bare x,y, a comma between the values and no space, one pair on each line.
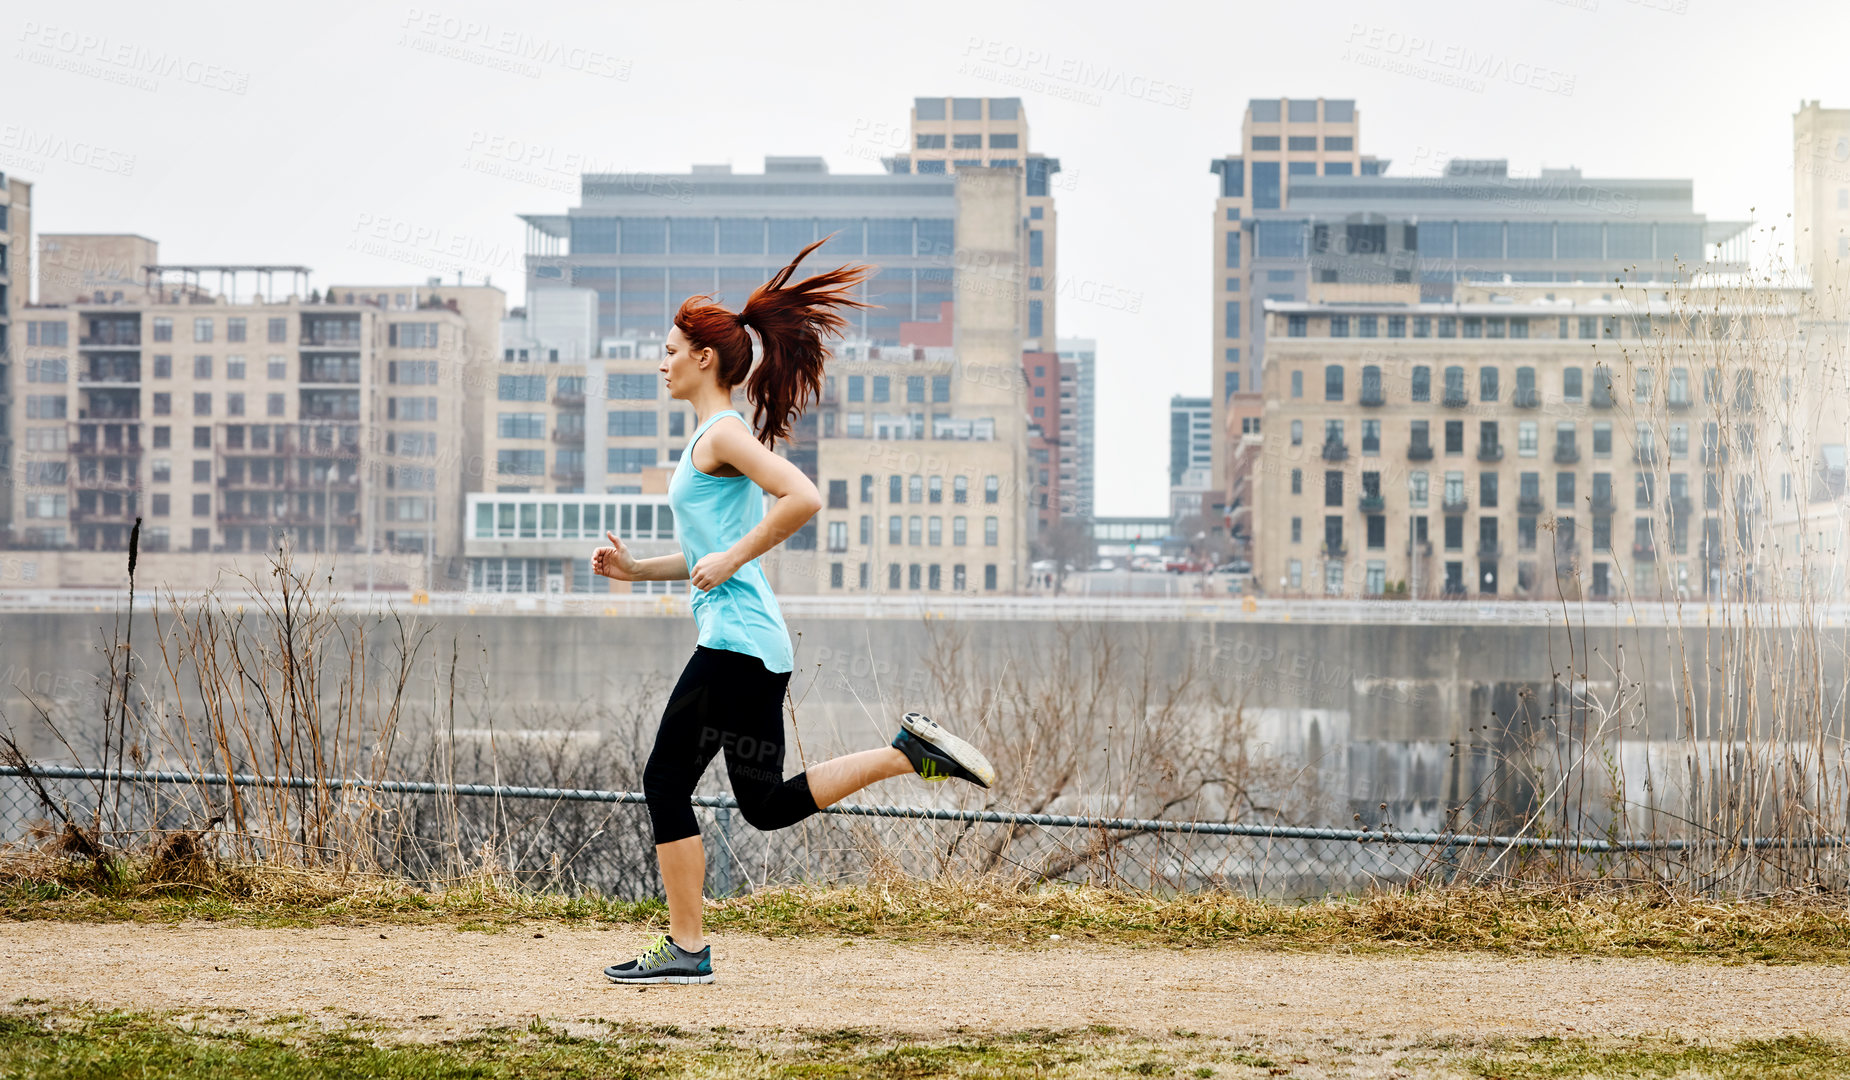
443,980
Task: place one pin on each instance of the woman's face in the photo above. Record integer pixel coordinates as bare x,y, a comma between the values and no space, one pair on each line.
680,365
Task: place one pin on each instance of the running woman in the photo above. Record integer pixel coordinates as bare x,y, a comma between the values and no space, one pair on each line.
730,697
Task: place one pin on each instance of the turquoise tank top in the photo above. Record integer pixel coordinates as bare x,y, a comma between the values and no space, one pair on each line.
711,514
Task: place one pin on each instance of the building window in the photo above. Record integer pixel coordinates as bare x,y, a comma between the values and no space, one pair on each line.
991,531
1421,388
202,329
894,527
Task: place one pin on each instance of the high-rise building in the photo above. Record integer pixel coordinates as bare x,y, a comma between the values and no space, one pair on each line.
1078,429
1338,233
1191,449
949,133
15,285
1282,140
1821,198
913,411
225,419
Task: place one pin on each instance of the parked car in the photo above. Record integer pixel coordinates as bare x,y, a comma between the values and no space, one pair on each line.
1145,563
1185,566
1237,566
1105,564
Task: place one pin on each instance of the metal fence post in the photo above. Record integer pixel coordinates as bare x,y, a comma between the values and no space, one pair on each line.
722,859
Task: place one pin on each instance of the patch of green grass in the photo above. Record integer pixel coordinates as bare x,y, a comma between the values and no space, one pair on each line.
1789,1057
67,1046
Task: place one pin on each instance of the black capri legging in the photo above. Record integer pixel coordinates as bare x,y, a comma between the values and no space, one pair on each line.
724,701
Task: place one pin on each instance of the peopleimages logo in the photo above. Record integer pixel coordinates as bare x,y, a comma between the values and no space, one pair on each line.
1033,69
503,48
125,62
1448,62
30,150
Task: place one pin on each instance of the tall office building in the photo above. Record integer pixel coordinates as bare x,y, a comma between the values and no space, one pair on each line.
1821,198
949,133
1191,449
1078,431
913,411
1282,140
1289,226
15,285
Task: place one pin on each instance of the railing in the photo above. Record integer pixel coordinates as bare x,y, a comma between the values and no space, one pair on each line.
1566,455
1455,399
1335,451
568,436
1372,396
1003,608
1490,452
1645,455
1489,549
1526,398
1335,551
567,399
542,830
1419,451
1529,504
1644,552
1602,504
1455,506
1372,504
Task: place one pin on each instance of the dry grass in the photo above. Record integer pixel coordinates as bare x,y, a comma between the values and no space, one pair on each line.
1508,920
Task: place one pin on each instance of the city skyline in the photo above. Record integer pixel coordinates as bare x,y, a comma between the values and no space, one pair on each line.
394,185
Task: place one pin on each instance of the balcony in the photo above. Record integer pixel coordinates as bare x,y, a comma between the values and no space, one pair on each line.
568,474
1489,452
1372,504
1455,399
1566,453
1455,506
1489,549
339,370
1602,503
105,448
1530,398
1681,504
1419,451
1644,552
1645,455
1335,451
569,436
569,399
102,335
1337,550
1529,504
1371,395
101,371
1419,549
124,515
111,412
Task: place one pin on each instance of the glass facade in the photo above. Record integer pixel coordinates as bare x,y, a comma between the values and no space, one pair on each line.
640,298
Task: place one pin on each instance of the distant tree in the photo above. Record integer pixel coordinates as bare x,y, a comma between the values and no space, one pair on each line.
1067,541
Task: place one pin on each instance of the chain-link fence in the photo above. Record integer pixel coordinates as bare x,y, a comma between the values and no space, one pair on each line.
579,838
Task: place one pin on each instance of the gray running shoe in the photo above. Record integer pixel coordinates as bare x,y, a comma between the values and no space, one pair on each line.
664,962
936,754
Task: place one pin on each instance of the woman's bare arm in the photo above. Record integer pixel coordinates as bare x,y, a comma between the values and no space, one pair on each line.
797,500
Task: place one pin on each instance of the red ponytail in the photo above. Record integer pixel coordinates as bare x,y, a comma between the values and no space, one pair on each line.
791,321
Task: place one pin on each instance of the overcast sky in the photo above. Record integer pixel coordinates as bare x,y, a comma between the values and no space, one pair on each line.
294,134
